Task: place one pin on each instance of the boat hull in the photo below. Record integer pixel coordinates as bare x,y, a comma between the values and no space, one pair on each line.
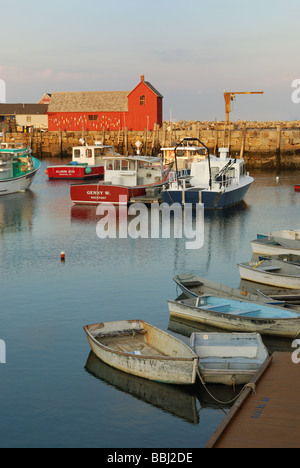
211,199
71,172
19,184
265,326
270,279
170,369
96,194
193,287
267,248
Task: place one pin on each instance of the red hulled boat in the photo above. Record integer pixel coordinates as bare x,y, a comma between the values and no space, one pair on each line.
87,162
124,178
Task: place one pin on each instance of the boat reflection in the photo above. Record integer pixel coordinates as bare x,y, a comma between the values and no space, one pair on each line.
17,211
175,400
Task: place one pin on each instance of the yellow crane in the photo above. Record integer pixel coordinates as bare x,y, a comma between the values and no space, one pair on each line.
230,96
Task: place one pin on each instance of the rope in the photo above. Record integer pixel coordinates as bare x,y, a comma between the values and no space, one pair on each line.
251,385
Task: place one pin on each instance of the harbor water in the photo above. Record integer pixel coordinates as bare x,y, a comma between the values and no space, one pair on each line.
54,392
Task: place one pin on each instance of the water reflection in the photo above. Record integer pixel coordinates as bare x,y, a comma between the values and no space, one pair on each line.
176,400
17,211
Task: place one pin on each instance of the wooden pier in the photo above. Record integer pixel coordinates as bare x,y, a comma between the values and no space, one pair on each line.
269,417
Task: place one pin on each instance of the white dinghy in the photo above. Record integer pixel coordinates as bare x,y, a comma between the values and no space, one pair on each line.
140,349
229,358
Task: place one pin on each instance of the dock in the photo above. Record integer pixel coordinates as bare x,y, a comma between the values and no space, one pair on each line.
267,414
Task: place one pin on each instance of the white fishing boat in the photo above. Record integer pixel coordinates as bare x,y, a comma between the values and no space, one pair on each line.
216,182
194,286
228,358
277,243
271,272
17,168
241,316
140,349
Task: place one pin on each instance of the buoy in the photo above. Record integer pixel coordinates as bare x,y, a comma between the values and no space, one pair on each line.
62,256
46,171
88,170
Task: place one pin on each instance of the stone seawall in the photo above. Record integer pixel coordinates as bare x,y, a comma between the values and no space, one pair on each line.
269,145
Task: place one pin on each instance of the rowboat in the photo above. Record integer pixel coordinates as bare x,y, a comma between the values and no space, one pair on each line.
138,348
289,296
228,358
292,234
271,272
277,243
193,286
233,315
18,168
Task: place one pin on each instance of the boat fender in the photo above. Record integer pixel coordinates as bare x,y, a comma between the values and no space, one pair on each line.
46,171
88,170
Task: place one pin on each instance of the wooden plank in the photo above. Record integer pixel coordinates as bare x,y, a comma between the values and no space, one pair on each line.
269,419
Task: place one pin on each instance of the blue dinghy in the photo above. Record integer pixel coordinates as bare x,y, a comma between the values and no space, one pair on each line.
236,315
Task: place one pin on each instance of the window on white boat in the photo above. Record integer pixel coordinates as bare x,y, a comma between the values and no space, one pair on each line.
77,153
242,169
89,153
125,165
117,165
109,165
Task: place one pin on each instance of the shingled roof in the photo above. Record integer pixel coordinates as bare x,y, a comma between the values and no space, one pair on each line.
89,101
23,109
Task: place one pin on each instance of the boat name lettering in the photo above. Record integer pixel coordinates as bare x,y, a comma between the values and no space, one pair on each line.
91,192
296,354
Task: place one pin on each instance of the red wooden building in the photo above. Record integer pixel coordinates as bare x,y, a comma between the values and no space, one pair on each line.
106,110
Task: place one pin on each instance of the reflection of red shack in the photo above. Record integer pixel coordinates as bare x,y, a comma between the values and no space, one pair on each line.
106,110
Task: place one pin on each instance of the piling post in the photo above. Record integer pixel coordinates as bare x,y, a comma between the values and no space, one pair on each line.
278,148
243,142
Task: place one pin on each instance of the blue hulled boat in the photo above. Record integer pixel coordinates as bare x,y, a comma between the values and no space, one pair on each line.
217,182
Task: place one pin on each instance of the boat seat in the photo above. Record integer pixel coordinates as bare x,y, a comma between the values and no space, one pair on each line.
243,311
120,333
269,268
214,307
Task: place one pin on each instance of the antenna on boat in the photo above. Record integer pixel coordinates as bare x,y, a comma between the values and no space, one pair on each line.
208,156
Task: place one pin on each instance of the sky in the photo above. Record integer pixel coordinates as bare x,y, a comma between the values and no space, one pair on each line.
189,51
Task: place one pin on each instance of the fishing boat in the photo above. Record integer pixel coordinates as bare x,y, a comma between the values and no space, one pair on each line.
87,162
228,358
17,168
125,177
216,182
185,155
297,188
240,316
138,348
271,272
193,286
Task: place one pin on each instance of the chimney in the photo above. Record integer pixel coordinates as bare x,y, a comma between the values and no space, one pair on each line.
142,78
